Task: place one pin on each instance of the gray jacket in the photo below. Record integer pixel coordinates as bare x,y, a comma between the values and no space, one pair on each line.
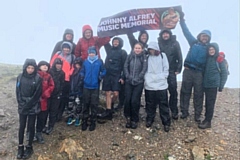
135,68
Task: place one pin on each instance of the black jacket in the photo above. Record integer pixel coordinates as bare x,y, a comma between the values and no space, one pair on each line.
135,68
58,78
115,59
29,90
173,51
59,44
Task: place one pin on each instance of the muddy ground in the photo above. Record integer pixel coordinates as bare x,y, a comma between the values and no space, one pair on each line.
112,141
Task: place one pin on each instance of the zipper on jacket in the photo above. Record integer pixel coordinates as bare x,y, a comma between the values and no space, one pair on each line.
134,66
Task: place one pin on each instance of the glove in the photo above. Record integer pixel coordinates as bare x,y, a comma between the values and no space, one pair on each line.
220,89
181,16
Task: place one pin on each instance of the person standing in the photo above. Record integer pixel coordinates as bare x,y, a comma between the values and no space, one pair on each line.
28,93
170,46
135,68
194,66
215,77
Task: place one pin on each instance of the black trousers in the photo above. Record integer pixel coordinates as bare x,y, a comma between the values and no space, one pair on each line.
192,79
154,98
23,120
132,101
53,109
122,94
64,99
172,88
90,100
210,99
41,120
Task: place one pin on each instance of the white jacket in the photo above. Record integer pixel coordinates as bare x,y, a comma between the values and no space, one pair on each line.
157,72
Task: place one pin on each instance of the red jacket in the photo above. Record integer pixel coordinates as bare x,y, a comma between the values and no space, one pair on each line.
83,44
47,88
67,66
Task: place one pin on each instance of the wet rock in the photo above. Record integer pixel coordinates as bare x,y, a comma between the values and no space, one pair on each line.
43,158
74,150
198,153
131,156
171,158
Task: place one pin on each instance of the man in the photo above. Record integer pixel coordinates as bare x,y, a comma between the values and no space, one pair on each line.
194,65
170,46
67,37
113,80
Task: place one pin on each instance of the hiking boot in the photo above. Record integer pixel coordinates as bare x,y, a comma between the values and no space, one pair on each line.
92,126
44,129
184,115
197,119
28,152
49,130
39,137
106,115
166,128
20,152
134,125
70,121
77,122
175,116
84,125
149,124
128,124
204,125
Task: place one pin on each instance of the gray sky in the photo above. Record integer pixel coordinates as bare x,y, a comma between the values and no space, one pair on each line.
31,28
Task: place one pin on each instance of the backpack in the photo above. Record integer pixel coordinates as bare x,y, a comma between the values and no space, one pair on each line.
226,65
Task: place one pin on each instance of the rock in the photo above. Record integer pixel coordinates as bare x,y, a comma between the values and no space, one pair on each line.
2,113
74,150
137,137
190,139
198,153
171,158
43,158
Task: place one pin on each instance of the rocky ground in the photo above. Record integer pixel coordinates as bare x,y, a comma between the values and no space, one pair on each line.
112,141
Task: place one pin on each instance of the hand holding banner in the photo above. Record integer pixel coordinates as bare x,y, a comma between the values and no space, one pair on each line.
139,19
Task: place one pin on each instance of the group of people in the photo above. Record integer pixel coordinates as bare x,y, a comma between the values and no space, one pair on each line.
71,81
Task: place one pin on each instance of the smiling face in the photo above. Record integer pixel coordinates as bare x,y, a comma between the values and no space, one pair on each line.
44,68
211,51
144,37
58,67
88,34
115,42
165,36
69,37
204,38
138,48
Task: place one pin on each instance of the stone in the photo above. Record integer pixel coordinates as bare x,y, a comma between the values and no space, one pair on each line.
74,150
198,153
2,113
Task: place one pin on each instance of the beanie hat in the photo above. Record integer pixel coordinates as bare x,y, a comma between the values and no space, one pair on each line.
78,60
65,45
92,49
41,63
58,61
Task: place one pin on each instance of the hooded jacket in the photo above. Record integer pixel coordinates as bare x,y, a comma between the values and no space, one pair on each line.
29,90
92,73
135,68
173,51
197,54
75,79
215,75
58,78
115,59
59,44
47,85
67,59
157,70
133,40
83,44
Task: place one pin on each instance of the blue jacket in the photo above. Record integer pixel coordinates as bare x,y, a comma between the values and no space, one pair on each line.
92,73
197,54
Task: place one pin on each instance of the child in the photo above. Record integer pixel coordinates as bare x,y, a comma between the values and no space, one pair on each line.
76,93
92,73
54,101
215,77
156,86
134,69
67,66
28,93
47,88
